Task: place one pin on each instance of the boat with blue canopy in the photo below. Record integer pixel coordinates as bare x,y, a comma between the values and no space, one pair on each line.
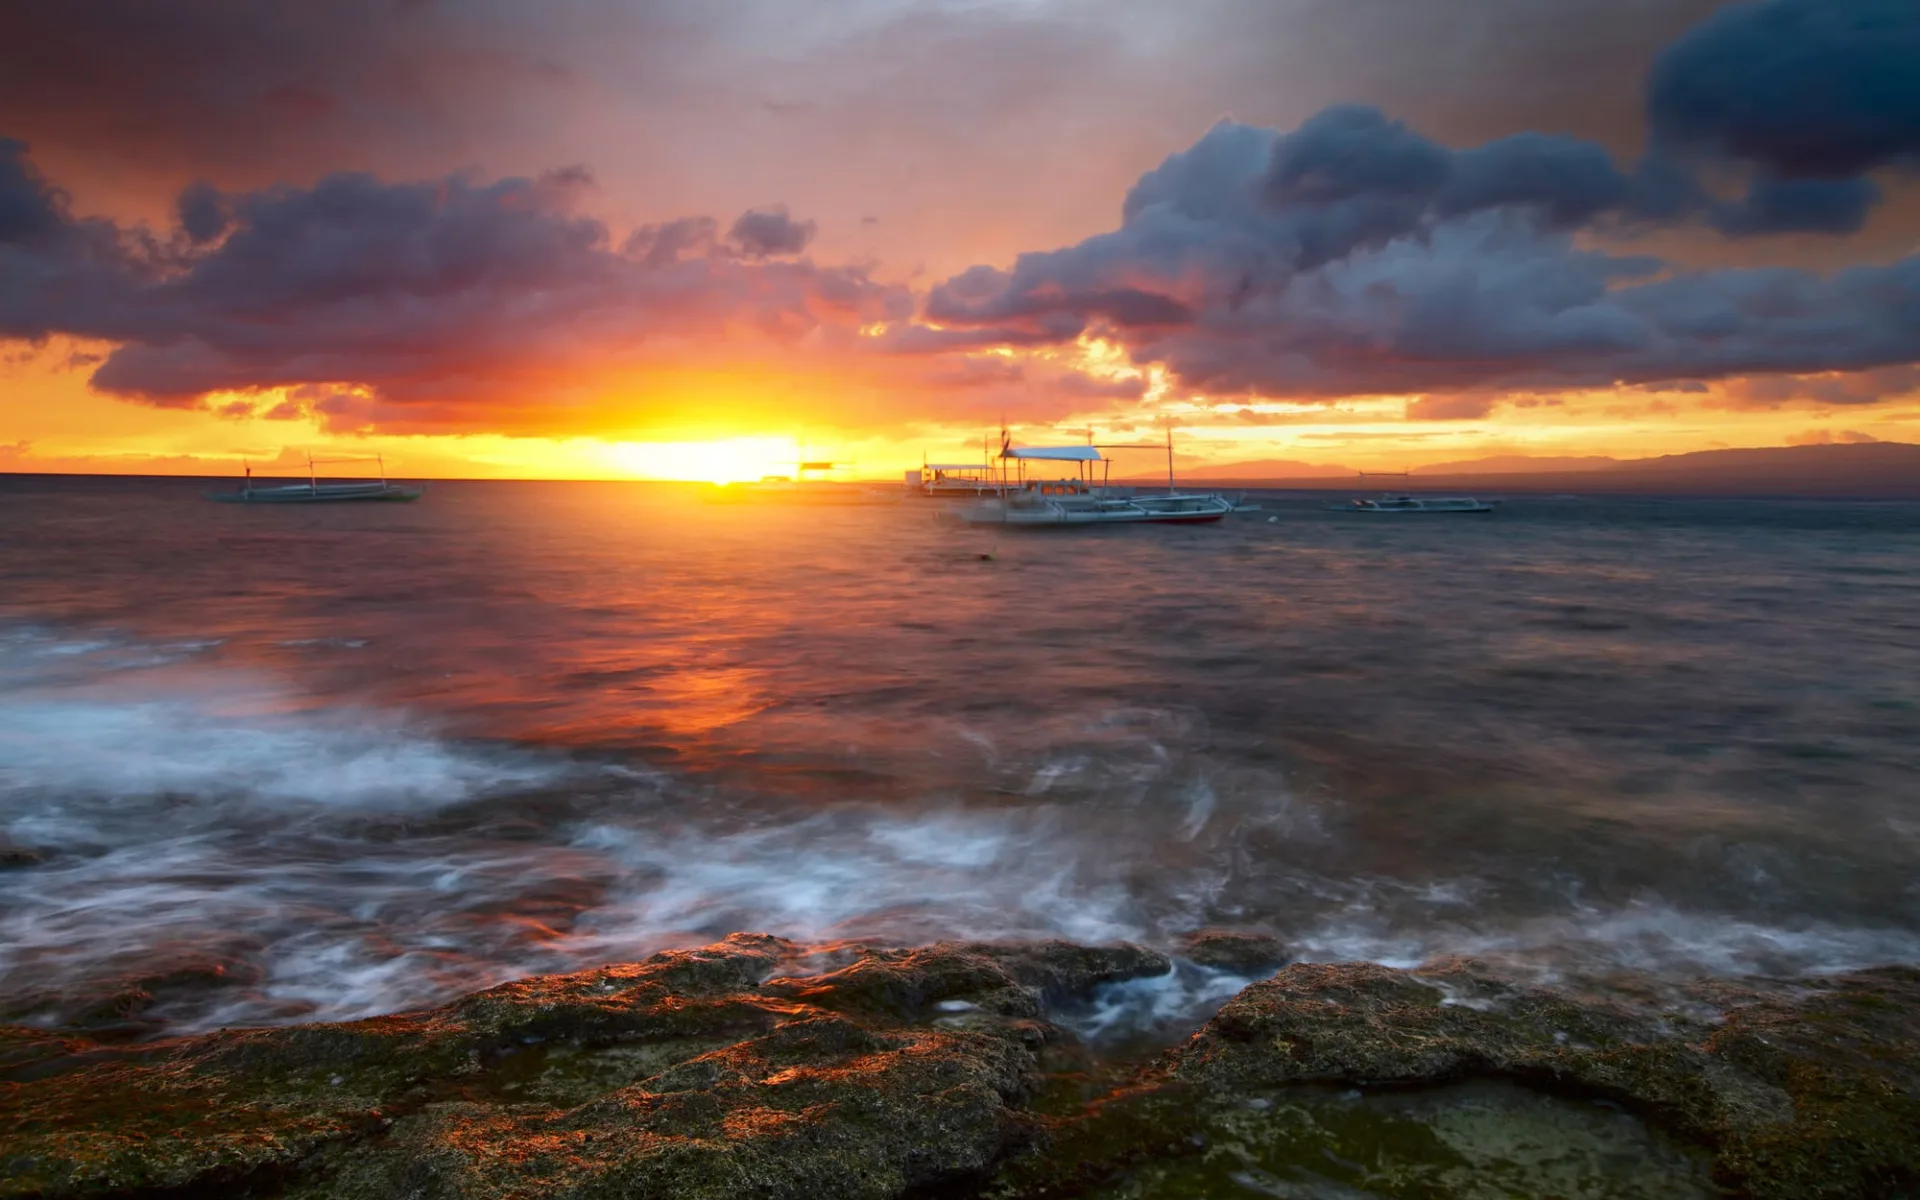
1022,502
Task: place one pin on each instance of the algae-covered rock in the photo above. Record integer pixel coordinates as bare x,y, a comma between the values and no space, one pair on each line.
1475,1141
1448,1082
735,1071
693,1074
1242,953
1802,1093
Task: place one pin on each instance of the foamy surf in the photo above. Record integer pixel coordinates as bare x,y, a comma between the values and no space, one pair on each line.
91,717
201,845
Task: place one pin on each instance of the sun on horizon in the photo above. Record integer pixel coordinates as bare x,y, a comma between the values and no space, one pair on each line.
722,461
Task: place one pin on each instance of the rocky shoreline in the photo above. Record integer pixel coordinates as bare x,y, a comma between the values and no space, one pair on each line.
756,1068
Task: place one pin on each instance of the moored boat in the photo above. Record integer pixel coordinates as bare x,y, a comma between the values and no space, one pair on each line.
1022,503
953,481
315,492
1415,504
1031,508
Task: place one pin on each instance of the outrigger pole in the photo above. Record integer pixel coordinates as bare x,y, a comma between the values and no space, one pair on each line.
313,480
1146,446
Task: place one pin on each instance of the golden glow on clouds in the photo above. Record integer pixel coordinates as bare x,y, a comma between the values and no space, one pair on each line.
745,422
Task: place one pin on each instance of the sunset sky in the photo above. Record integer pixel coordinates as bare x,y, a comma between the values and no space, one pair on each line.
640,238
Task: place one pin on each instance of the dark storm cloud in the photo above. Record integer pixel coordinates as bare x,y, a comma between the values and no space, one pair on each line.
1803,88
58,272
1861,387
1774,205
29,207
1244,211
1356,255
202,212
450,294
770,232
1495,298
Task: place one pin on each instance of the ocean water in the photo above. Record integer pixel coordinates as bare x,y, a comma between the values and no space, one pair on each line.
279,764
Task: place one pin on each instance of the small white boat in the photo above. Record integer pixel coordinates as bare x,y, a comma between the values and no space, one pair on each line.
1415,504
315,492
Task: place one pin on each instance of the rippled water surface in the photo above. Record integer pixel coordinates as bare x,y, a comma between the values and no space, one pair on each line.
272,764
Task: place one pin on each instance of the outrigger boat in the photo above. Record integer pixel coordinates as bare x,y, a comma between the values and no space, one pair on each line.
315,492
956,481
1416,504
953,481
1021,503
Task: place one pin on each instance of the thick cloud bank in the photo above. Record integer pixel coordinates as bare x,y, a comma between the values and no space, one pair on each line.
445,291
1354,255
1804,88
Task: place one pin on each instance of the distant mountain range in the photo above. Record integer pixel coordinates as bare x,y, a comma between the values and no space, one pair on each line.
1264,468
1519,464
1888,470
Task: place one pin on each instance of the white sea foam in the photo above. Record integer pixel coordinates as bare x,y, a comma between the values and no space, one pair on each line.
191,747
1583,942
109,730
1177,1001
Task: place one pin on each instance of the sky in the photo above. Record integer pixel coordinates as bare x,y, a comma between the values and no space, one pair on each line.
634,238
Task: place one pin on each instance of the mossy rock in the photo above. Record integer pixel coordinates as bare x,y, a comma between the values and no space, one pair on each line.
730,1071
1791,1092
699,1073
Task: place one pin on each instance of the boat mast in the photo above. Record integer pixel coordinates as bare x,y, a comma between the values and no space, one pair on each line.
313,481
1169,460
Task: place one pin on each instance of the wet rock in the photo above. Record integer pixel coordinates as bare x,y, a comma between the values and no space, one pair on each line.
116,994
725,1072
1466,1141
1061,971
1014,979
18,856
1249,954
1805,1094
700,1073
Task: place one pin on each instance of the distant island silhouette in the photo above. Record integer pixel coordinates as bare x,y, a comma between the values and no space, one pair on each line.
1871,470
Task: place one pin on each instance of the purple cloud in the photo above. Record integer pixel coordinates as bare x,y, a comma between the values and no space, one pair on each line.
1353,256
438,298
770,232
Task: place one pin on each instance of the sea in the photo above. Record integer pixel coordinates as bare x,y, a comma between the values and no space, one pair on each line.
271,764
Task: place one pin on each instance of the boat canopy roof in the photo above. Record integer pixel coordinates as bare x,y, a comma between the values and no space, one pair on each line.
958,467
1055,453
